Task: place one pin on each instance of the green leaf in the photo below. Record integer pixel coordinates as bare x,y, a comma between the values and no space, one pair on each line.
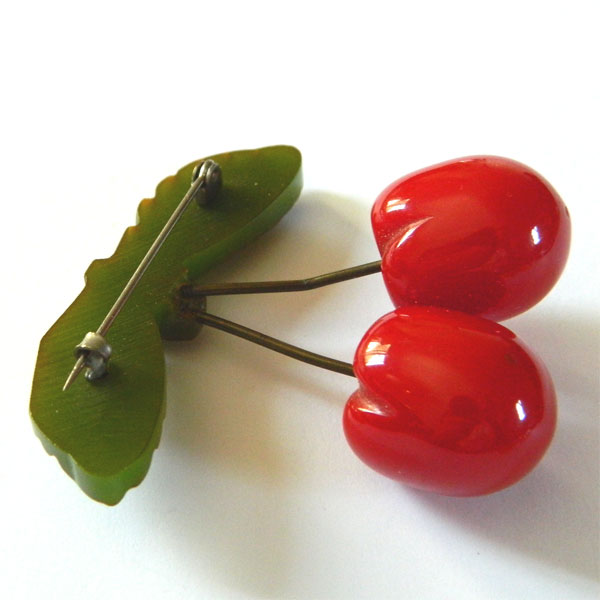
104,433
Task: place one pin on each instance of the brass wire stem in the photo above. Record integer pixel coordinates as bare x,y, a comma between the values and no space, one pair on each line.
291,285
266,341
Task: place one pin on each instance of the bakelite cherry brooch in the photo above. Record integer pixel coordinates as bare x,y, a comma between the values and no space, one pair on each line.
449,401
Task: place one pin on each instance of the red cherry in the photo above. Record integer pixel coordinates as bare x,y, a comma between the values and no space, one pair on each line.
448,402
484,235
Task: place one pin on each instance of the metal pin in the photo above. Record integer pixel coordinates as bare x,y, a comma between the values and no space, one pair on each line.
93,352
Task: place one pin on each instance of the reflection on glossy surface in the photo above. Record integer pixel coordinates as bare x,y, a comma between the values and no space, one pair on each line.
375,353
520,410
535,236
484,235
448,402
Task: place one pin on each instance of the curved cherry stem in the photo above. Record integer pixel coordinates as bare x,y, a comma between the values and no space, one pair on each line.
290,285
261,339
265,287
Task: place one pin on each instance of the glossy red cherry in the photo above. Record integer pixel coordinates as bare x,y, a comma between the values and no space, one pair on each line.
484,235
448,402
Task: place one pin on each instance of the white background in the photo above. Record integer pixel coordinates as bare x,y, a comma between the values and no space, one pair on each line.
253,492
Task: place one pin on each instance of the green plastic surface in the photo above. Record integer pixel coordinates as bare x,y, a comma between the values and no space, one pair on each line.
104,433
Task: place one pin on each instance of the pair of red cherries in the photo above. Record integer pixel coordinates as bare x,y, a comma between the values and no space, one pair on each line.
450,401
